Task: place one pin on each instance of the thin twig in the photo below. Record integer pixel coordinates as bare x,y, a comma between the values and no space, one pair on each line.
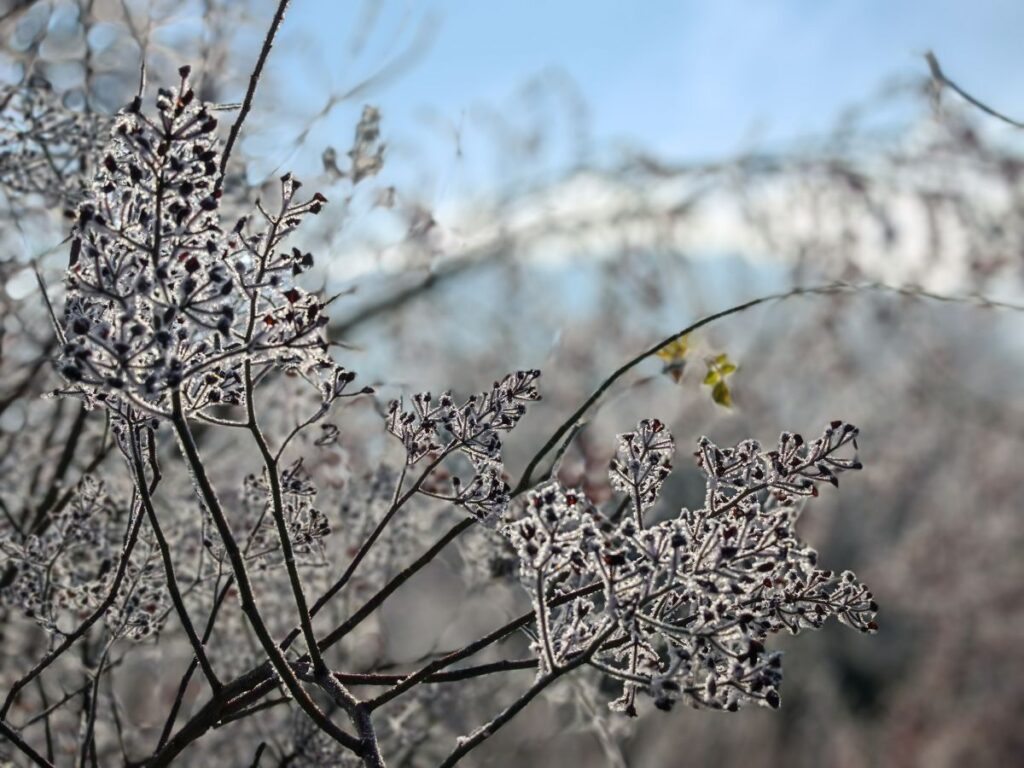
254,80
375,602
193,665
277,508
259,754
468,743
11,735
941,80
57,329
142,486
527,480
429,672
248,599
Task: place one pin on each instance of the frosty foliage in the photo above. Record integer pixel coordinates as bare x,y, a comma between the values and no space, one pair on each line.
440,428
160,296
64,567
64,572
174,317
641,464
307,525
45,147
681,609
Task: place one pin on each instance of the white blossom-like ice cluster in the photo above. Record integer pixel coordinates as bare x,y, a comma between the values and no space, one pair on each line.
440,428
45,146
66,570
161,298
682,609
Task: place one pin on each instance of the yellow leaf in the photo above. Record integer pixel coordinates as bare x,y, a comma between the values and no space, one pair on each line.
720,394
712,377
675,350
722,359
726,369
675,371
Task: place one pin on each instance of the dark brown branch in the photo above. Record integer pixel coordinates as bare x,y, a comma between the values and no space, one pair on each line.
192,666
942,81
364,549
260,707
47,730
277,508
248,600
375,602
259,754
469,743
31,376
11,735
67,456
142,487
254,80
253,685
429,672
454,676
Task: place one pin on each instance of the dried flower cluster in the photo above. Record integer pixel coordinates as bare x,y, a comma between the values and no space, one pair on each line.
441,428
63,569
64,572
307,525
682,608
45,147
160,297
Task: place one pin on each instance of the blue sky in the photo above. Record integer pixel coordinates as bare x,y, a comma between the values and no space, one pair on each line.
682,79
